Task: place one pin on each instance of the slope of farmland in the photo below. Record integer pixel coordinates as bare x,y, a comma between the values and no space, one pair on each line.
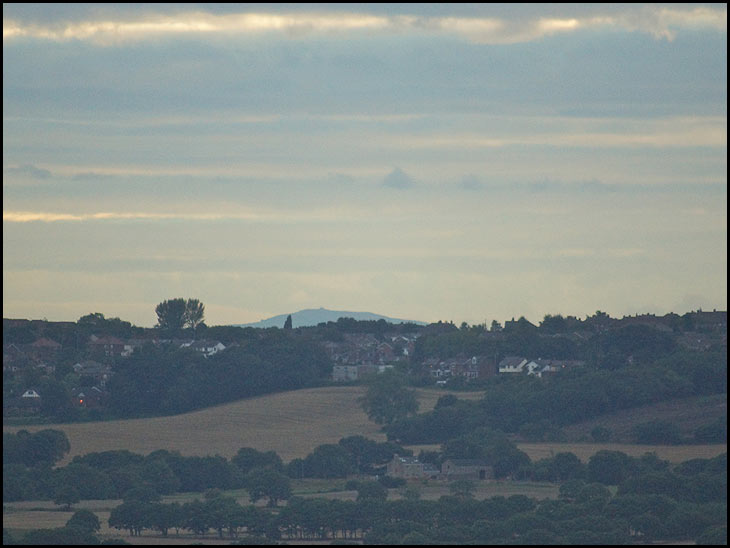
687,414
290,423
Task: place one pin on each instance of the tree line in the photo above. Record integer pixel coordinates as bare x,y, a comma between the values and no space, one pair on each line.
651,502
540,407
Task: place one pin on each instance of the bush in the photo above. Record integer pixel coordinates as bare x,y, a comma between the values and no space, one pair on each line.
658,432
391,482
601,434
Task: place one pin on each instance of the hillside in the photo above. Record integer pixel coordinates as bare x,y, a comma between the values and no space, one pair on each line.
686,413
315,316
290,423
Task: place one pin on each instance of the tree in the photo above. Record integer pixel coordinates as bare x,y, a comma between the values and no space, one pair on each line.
371,490
84,520
194,313
248,458
66,495
608,467
463,488
288,322
387,399
270,483
132,515
171,314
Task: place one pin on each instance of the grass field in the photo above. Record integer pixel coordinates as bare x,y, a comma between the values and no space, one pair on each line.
290,423
22,516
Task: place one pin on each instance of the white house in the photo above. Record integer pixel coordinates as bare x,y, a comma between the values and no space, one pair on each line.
512,364
206,348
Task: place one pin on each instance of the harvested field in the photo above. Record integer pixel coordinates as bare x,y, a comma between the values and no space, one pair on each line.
290,423
673,453
687,414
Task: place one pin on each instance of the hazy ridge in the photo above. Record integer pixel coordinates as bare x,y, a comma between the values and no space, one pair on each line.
314,316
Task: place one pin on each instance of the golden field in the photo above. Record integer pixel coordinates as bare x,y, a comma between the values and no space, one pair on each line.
290,423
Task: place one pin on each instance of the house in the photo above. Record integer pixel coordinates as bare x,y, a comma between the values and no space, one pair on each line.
88,397
344,373
29,403
44,349
476,367
512,364
106,346
206,348
466,469
101,373
13,357
410,467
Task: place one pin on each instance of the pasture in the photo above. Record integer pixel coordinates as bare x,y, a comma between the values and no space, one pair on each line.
290,423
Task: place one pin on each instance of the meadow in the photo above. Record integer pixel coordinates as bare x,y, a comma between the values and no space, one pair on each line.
290,423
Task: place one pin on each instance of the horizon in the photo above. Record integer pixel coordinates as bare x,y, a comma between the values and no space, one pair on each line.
455,322
460,162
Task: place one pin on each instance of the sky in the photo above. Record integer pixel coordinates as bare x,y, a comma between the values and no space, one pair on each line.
454,162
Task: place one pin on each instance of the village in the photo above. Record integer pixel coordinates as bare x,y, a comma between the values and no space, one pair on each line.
86,365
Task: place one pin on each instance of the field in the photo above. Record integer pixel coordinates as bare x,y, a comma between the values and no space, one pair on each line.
290,423
21,516
687,414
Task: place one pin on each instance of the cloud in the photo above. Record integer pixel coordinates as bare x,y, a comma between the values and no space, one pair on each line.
398,179
28,170
470,182
521,26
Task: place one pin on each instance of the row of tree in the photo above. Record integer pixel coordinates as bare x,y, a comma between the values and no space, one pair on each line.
521,403
163,380
642,509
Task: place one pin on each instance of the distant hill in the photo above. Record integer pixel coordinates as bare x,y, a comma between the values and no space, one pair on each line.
314,316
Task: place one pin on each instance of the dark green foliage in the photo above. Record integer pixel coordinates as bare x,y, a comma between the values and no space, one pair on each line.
714,432
66,496
601,434
168,380
373,490
63,536
608,467
248,458
387,399
326,461
84,520
658,432
511,404
268,483
43,448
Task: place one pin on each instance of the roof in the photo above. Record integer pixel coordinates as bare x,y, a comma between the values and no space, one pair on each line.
48,343
467,462
511,361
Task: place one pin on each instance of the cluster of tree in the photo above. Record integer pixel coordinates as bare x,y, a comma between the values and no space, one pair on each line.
351,455
42,448
602,344
28,472
217,511
175,314
167,380
387,400
113,474
80,529
512,403
650,503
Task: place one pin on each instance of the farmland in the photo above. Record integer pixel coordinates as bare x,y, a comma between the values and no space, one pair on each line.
290,423
294,423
